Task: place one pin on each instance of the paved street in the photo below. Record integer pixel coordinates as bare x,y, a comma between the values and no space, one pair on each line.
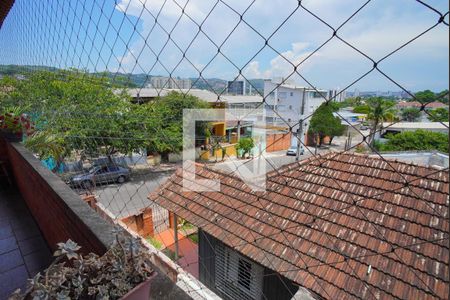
128,198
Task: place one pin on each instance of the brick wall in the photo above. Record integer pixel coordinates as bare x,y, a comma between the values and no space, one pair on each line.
278,142
59,212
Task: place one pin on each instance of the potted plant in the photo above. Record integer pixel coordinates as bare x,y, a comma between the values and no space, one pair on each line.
123,272
14,123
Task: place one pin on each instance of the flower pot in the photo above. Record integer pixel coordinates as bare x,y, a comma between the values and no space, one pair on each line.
141,291
11,137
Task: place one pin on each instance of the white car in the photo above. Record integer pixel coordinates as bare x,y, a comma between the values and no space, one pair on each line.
293,151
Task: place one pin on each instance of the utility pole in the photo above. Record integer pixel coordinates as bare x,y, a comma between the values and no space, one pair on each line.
300,126
175,232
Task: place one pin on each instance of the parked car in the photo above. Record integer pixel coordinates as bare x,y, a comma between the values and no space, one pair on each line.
100,174
293,151
364,127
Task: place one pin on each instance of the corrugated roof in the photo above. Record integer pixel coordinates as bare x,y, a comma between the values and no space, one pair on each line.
417,125
322,223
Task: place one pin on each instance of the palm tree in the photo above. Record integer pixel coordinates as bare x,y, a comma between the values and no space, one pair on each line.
380,110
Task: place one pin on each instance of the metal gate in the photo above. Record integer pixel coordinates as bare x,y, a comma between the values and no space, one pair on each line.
160,218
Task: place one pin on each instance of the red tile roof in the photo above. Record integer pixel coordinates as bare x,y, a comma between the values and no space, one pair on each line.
405,104
323,221
436,105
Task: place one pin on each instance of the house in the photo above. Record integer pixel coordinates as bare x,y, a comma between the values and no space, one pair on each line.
434,105
414,104
408,104
337,226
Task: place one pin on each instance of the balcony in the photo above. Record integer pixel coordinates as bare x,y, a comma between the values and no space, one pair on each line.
37,211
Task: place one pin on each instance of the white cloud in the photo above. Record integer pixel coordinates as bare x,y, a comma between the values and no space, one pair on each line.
379,28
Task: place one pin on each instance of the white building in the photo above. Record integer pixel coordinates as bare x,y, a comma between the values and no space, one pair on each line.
287,104
170,83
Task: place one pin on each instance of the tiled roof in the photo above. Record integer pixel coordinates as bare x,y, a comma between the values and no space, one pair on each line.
436,104
323,221
409,104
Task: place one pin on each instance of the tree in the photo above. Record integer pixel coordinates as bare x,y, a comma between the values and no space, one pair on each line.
439,115
245,145
351,102
425,97
443,96
87,112
410,114
323,123
361,109
166,132
380,110
415,141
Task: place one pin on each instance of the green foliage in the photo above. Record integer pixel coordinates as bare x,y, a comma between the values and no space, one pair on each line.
155,243
324,123
381,110
443,96
351,102
93,117
166,130
410,114
194,237
46,146
426,96
415,140
361,109
439,115
245,145
124,266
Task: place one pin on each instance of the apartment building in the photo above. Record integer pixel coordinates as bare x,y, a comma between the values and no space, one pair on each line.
170,83
287,104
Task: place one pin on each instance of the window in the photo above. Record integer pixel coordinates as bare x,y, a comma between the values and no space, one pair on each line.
244,274
292,94
318,94
236,276
282,95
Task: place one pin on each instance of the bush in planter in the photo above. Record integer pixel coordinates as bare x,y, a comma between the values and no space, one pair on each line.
13,123
123,267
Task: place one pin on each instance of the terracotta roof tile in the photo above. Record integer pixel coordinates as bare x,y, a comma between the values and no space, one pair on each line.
322,223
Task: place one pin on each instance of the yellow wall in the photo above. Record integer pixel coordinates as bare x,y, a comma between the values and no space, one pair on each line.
219,129
230,151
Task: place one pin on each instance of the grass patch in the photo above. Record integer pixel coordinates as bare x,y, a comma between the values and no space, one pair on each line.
155,243
187,226
194,237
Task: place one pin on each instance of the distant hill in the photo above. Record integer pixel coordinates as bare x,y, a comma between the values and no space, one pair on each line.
215,85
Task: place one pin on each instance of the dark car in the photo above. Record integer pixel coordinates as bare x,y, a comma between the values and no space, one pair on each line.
100,174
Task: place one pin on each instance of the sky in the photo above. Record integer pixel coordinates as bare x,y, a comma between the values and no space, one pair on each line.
184,40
